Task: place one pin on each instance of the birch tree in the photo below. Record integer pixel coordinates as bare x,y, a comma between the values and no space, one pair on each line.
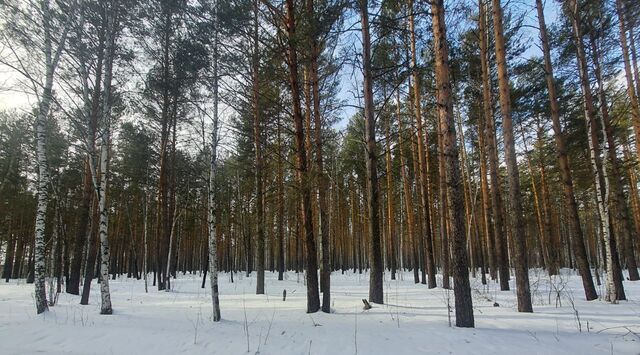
600,175
35,54
563,163
212,241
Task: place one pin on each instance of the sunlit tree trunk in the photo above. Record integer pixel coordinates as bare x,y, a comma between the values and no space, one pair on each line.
500,241
515,199
462,289
622,224
423,163
631,91
563,163
600,175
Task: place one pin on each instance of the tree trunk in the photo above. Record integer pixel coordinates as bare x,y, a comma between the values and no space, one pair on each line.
323,183
600,175
499,237
631,92
563,163
423,163
280,215
373,198
515,200
391,226
313,296
257,143
101,191
211,215
92,251
462,289
52,57
486,202
618,201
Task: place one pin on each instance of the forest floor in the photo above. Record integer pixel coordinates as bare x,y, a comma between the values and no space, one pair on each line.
413,321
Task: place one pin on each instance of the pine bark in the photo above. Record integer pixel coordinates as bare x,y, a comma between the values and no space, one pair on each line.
486,200
391,225
500,242
322,179
373,193
462,289
423,162
257,144
280,202
631,92
515,199
563,163
313,295
622,223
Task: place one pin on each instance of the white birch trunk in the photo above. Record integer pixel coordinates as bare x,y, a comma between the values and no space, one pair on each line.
213,251
51,63
600,173
101,190
52,264
43,196
176,215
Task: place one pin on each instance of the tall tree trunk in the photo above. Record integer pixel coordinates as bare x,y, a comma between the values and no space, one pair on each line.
211,215
444,210
633,184
280,202
373,198
618,201
391,226
563,163
313,295
486,202
52,56
146,244
515,199
492,150
423,163
462,289
631,92
92,253
543,231
73,284
600,175
419,243
552,263
323,183
9,254
101,190
257,144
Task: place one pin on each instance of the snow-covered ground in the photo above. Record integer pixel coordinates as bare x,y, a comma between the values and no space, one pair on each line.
413,320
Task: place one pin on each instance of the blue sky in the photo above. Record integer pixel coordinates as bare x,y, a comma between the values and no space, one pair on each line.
351,77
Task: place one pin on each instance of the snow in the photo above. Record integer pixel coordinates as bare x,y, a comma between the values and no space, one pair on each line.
413,321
